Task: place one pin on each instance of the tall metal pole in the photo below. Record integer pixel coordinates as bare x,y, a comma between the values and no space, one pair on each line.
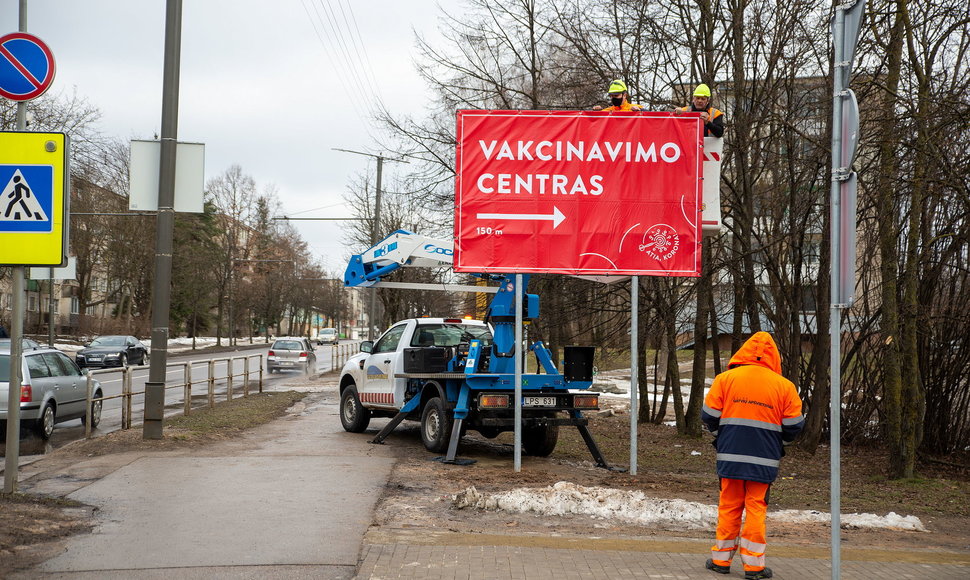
12,458
518,373
232,299
372,317
835,321
376,224
165,225
634,368
50,309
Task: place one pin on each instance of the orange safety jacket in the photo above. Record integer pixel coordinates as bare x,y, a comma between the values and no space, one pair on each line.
715,122
623,107
753,412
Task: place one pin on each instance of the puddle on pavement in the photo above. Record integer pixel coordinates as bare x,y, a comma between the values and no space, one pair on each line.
30,446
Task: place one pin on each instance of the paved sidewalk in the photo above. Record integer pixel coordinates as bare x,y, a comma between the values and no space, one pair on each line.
430,554
291,499
295,499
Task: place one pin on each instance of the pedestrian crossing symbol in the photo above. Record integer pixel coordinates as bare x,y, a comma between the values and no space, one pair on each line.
25,202
34,198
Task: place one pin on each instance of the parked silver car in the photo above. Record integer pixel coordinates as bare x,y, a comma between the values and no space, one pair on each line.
53,390
291,353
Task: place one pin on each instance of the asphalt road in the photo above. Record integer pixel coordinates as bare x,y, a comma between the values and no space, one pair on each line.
111,384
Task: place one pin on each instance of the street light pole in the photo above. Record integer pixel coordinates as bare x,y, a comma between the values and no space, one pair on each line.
375,225
165,225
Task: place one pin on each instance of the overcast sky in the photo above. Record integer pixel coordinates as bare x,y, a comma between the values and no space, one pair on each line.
270,85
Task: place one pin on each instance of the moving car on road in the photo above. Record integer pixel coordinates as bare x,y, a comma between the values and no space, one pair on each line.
291,353
53,390
112,351
328,336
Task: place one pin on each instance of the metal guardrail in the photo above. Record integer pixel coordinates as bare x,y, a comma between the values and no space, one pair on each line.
127,394
341,352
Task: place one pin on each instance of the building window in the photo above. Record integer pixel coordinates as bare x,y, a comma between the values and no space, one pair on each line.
75,305
32,302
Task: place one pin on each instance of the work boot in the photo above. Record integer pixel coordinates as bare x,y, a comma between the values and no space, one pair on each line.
710,565
758,574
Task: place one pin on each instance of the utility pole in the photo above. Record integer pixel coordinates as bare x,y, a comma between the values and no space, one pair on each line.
372,309
165,225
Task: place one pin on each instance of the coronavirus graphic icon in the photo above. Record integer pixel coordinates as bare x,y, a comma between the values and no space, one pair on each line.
660,242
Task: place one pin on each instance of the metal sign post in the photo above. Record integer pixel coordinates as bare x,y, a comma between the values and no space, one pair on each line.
26,71
845,122
634,368
518,373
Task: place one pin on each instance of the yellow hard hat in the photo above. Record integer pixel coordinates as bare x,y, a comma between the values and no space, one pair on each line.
617,86
702,90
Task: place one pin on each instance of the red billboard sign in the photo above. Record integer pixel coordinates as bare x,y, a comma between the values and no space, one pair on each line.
578,192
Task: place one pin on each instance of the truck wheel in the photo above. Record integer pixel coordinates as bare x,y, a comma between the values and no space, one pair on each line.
540,441
353,416
436,426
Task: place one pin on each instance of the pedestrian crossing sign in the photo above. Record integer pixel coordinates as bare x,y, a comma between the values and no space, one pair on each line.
34,198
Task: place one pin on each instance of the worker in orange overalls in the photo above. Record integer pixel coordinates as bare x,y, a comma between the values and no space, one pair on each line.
753,412
619,99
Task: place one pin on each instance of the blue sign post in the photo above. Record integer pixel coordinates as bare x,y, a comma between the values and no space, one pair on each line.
26,66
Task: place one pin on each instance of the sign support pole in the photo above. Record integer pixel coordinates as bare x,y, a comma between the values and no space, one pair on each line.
846,24
634,368
165,226
50,309
12,460
518,372
11,464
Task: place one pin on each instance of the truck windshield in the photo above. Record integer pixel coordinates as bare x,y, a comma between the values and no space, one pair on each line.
450,334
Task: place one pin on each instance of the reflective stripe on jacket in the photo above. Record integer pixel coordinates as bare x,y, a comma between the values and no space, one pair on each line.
753,411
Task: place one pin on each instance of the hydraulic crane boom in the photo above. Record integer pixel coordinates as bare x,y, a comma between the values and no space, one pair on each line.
399,250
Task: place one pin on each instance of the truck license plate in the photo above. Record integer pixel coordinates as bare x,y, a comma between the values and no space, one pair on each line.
539,402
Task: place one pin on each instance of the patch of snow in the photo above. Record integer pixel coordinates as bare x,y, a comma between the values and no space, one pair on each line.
635,507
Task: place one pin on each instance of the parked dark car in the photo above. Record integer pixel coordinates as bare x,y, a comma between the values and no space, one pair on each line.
53,390
112,351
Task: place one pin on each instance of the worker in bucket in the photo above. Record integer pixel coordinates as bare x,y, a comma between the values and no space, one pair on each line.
753,413
701,103
619,99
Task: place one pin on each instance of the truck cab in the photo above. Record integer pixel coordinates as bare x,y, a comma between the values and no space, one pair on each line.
416,345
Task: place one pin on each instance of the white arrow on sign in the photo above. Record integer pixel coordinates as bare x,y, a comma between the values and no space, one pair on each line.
555,217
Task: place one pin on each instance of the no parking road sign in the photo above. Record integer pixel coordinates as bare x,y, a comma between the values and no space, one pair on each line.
26,66
34,198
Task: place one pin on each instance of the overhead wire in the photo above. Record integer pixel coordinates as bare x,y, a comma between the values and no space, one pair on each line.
340,36
338,64
365,59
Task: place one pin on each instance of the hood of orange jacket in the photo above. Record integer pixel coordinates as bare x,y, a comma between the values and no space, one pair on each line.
759,350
